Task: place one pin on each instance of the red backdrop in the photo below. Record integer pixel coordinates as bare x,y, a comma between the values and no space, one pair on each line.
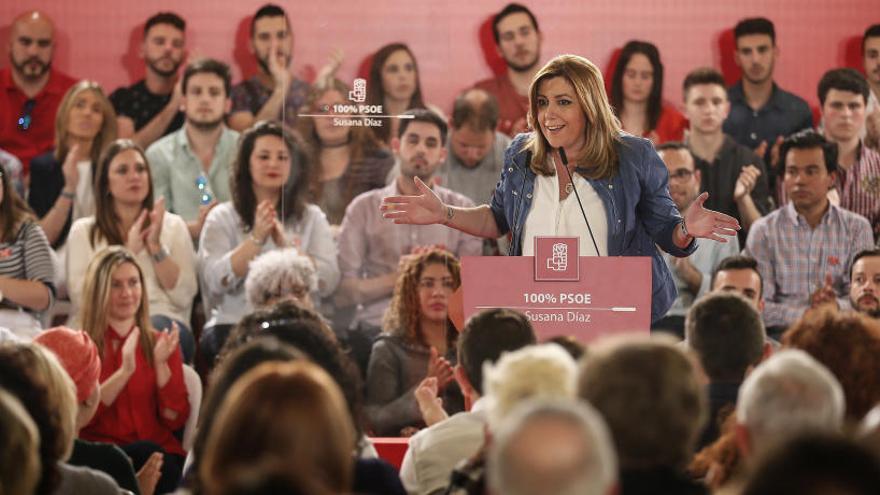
99,39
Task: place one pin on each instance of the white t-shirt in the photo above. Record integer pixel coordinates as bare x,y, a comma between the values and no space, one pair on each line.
84,204
550,217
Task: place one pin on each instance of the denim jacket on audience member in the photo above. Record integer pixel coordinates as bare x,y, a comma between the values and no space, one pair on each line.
639,210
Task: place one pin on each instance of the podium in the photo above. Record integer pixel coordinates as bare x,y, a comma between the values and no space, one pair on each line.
562,293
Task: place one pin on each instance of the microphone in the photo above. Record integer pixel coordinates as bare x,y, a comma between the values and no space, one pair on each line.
577,196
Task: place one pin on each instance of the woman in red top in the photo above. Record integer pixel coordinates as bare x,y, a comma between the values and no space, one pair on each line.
143,395
637,95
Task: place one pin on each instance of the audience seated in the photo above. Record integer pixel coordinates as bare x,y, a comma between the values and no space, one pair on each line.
761,113
126,215
143,395
536,372
32,374
849,345
727,335
285,425
788,395
371,247
78,355
560,447
307,332
394,84
435,451
19,447
518,41
843,94
350,159
649,393
278,275
864,289
30,89
474,149
268,211
871,60
816,465
27,274
690,274
637,95
273,93
191,165
418,342
61,189
732,174
739,274
804,249
150,108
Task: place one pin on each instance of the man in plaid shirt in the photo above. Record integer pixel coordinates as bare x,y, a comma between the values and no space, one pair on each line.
805,248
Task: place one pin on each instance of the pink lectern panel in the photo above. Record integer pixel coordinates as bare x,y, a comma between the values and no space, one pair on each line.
610,295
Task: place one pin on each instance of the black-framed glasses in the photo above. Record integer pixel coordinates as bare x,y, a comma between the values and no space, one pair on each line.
681,174
25,119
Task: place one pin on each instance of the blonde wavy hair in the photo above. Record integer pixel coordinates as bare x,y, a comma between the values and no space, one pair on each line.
602,130
403,314
105,136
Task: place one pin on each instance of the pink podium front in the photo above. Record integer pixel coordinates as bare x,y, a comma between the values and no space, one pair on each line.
562,293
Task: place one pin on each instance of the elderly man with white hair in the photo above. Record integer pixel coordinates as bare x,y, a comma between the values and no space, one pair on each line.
789,394
559,447
281,274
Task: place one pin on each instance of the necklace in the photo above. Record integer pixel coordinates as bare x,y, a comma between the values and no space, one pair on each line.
569,188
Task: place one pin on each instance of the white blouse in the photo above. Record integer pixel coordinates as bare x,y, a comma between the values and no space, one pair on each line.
550,217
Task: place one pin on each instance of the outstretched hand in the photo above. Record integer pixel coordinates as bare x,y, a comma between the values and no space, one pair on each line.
423,209
709,224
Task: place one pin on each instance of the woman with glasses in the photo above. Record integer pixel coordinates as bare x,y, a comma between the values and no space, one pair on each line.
268,211
350,160
27,273
418,342
61,180
127,215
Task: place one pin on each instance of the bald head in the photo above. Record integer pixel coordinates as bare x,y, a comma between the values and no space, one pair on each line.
31,44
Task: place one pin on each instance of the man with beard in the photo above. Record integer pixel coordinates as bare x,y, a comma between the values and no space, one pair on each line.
761,113
273,93
864,289
518,41
732,174
370,247
843,95
150,108
692,275
805,248
30,90
191,166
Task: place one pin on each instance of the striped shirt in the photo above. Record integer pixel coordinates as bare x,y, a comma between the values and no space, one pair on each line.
27,257
859,187
793,258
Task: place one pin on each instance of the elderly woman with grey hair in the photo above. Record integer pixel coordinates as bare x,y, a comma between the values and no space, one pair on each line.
278,275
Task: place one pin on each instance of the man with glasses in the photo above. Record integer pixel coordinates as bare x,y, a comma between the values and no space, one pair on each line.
191,165
692,275
30,90
734,176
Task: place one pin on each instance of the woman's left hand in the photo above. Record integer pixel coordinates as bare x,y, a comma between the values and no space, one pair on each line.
708,224
157,216
166,343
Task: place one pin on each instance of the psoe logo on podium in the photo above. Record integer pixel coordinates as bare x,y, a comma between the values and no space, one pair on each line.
556,259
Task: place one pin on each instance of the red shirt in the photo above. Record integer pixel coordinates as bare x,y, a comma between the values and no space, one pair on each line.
40,136
512,106
670,125
135,414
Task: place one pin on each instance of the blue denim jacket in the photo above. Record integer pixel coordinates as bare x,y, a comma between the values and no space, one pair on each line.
639,210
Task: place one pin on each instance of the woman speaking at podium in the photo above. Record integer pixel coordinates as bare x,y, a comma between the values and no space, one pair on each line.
578,175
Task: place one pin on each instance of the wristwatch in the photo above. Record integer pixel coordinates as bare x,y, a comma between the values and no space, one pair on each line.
160,255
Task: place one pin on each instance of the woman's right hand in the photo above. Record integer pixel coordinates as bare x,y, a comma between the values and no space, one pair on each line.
136,234
129,347
424,209
264,221
69,169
